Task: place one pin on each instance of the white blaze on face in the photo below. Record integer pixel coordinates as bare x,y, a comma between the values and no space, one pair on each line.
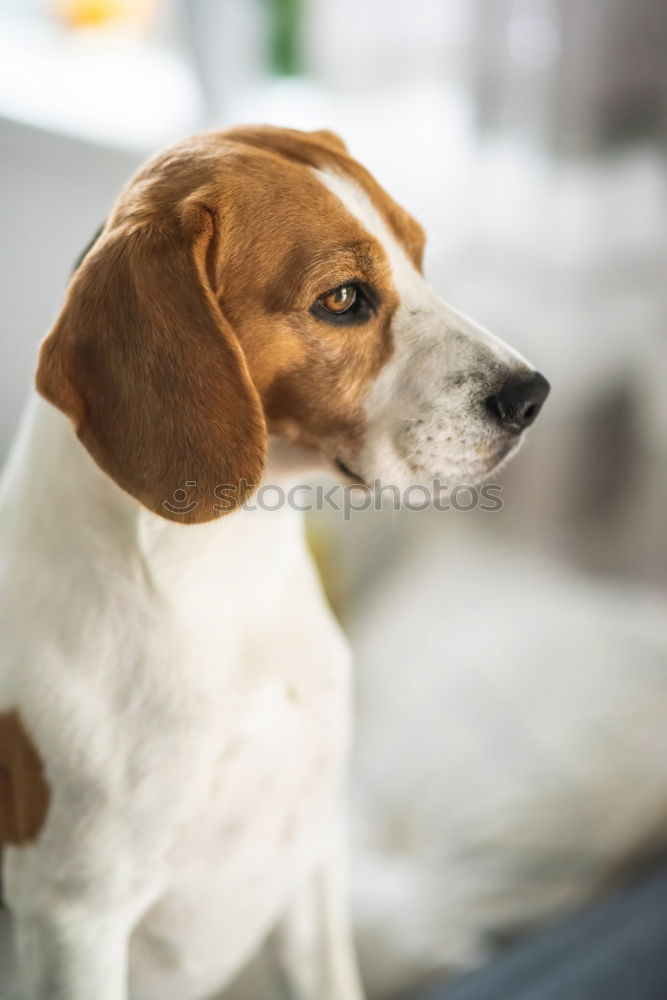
426,418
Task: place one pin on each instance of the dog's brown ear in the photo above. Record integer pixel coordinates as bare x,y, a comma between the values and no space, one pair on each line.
155,381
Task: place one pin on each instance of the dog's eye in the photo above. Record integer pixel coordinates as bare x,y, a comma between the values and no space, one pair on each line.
352,302
339,300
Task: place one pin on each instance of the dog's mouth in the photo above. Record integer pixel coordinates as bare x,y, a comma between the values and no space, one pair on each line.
494,459
353,478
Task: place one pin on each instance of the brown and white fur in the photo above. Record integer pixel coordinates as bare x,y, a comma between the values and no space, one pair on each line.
174,689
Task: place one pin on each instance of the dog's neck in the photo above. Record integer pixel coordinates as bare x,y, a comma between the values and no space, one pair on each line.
54,497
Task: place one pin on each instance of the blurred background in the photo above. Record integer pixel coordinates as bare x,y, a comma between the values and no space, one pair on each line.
511,756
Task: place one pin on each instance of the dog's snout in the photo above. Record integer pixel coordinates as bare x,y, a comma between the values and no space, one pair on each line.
518,402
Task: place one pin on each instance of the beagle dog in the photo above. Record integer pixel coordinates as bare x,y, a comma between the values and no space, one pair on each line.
174,692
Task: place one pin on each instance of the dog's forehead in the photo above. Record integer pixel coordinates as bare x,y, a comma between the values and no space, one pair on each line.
403,254
326,183
282,200
373,208
286,232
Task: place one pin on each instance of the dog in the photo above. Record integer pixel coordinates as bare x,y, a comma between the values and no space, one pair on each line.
174,691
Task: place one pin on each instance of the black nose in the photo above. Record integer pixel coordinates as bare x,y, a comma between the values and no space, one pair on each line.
519,401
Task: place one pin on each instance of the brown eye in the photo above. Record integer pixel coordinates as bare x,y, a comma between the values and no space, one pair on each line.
340,299
350,304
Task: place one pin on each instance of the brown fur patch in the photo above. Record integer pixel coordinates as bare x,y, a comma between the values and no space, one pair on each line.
187,329
24,792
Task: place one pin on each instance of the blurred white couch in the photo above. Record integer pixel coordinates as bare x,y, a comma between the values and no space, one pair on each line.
511,752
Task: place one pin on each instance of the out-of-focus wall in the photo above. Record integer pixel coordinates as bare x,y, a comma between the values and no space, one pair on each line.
574,76
54,194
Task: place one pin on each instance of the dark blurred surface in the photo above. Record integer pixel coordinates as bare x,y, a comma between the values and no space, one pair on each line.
616,951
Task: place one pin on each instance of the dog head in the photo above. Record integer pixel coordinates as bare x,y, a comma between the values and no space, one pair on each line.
260,281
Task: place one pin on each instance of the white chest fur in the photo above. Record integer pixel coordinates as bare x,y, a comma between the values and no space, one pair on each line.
187,688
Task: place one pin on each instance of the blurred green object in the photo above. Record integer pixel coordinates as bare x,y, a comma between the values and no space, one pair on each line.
284,36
